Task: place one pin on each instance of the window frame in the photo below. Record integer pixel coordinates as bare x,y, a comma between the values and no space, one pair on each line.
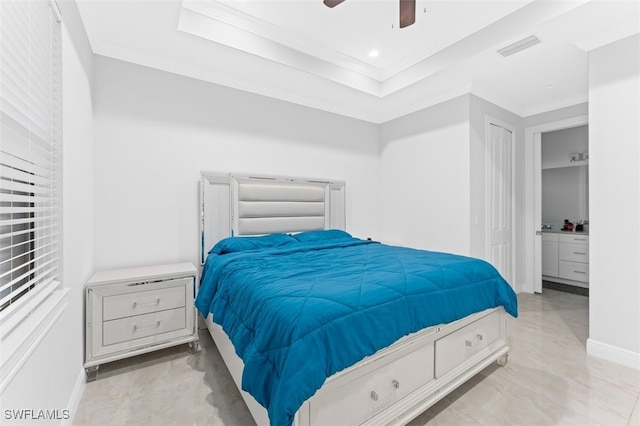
28,316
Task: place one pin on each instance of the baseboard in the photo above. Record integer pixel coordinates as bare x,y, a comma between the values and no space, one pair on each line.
613,353
74,399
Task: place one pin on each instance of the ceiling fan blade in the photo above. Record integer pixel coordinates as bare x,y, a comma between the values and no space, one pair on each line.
407,12
332,3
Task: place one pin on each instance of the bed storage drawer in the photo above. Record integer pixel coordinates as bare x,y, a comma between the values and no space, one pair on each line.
144,302
379,386
139,326
461,345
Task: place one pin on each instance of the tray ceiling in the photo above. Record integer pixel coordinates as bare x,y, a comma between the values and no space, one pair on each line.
304,52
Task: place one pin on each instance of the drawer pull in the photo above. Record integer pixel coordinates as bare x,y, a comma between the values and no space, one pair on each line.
577,252
374,395
579,272
396,384
157,302
157,324
479,336
468,343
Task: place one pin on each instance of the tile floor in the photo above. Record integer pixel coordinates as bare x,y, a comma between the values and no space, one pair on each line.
549,380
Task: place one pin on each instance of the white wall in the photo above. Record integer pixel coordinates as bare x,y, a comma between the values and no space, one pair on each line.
424,178
565,184
155,131
559,145
555,115
565,194
52,376
614,163
432,178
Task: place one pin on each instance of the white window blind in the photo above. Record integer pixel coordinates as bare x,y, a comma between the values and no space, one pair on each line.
30,138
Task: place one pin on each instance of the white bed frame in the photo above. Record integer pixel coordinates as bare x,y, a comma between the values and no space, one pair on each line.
394,385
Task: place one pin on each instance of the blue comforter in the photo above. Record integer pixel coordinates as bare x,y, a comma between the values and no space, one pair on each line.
298,313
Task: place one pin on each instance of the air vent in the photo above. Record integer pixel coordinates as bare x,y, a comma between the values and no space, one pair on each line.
516,47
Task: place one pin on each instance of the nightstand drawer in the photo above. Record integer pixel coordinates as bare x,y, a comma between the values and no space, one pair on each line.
144,302
131,328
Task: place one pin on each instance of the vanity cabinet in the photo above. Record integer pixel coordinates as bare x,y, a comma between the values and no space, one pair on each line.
573,257
565,258
550,255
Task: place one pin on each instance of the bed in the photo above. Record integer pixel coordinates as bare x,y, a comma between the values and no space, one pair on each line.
318,327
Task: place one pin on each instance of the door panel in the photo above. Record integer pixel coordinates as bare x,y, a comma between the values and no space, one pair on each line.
500,199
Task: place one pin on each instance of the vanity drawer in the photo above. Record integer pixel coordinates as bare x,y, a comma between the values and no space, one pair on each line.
360,399
574,252
573,238
136,327
461,345
574,271
143,302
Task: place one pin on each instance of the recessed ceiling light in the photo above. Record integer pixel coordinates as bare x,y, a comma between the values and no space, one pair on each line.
373,53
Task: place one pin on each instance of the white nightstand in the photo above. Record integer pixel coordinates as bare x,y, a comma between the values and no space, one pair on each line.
132,311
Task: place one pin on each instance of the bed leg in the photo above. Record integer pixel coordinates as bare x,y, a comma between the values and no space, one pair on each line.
502,361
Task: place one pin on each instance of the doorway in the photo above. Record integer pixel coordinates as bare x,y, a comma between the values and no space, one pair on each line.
533,198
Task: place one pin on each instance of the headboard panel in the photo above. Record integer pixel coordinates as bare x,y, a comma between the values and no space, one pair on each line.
237,205
265,206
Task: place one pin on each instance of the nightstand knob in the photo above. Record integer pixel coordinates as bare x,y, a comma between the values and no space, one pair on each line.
479,336
396,384
374,395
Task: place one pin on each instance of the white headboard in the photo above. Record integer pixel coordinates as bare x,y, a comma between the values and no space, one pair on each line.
241,204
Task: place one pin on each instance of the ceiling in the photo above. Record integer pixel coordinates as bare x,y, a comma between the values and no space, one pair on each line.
304,52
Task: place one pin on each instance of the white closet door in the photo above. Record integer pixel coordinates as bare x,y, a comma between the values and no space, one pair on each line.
499,200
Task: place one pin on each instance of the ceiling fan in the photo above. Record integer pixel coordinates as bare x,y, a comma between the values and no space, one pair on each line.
407,10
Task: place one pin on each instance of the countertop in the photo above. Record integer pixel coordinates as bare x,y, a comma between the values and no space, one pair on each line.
558,231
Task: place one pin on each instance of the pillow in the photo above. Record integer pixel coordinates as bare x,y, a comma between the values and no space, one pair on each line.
322,235
237,244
